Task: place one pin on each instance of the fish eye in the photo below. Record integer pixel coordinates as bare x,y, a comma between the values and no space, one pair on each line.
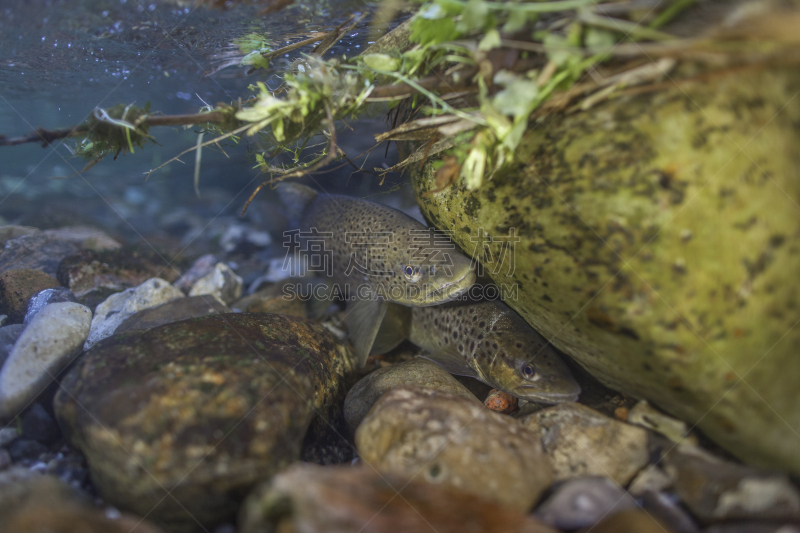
529,372
412,273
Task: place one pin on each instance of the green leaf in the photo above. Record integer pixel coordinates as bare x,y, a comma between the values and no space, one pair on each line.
559,50
598,38
489,41
381,62
474,17
256,60
427,32
517,98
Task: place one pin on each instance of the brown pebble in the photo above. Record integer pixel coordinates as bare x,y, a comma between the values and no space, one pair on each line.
501,402
17,287
621,413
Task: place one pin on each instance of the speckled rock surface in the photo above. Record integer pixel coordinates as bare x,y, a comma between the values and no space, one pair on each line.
434,436
583,442
180,309
37,251
44,348
205,407
35,503
659,247
118,307
94,276
308,498
418,371
17,287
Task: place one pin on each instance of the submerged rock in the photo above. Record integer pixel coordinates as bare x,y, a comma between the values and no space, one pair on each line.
33,503
583,502
753,527
45,297
199,269
38,425
659,252
666,509
86,237
18,286
651,479
52,339
94,276
8,337
438,437
36,251
272,299
345,499
716,490
643,414
630,521
118,307
222,283
583,442
9,233
417,371
180,309
204,408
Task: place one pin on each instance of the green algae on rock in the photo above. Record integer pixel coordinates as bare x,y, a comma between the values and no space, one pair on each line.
659,245
204,408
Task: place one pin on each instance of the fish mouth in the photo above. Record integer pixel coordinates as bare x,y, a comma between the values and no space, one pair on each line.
529,392
435,296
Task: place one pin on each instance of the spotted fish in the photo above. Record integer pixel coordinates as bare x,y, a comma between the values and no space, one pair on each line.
379,253
488,341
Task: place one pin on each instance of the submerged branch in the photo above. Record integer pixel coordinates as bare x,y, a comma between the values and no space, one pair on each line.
46,137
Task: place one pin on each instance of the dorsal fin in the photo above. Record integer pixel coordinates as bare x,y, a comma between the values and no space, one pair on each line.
296,198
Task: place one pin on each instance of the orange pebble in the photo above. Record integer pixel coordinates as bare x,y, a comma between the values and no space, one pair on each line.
500,401
621,413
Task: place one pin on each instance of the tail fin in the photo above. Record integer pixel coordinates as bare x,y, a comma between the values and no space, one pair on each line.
296,198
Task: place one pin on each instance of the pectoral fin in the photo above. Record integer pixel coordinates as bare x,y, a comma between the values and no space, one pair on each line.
394,329
363,321
453,362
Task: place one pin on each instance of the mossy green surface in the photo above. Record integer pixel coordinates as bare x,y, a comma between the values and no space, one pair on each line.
660,248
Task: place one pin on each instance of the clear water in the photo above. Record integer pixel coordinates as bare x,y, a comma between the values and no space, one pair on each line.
59,59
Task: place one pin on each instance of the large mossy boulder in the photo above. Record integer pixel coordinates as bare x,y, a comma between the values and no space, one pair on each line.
659,246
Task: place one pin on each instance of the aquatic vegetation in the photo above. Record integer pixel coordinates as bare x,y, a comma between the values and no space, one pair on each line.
463,81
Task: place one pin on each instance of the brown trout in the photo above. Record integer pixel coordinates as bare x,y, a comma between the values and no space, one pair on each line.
488,341
378,253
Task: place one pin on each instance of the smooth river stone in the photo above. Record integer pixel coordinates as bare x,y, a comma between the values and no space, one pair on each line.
47,345
204,408
442,438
